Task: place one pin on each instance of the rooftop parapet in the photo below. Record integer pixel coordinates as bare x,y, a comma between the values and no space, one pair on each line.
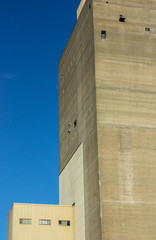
80,7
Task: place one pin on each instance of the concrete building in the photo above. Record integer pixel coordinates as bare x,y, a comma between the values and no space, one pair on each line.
107,111
107,128
41,222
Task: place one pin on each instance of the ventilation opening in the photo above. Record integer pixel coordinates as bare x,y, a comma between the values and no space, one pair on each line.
121,19
64,223
147,29
106,1
90,6
75,123
103,34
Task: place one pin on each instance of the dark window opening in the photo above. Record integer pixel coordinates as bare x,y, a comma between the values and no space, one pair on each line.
75,123
64,223
147,29
103,34
90,6
106,1
121,19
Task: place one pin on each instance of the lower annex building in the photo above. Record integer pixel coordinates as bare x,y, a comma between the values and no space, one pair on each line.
41,222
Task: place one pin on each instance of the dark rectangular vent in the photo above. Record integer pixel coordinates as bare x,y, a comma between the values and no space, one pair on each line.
121,19
64,223
147,29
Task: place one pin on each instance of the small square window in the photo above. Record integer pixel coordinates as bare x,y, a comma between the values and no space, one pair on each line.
103,34
44,222
24,221
64,223
121,19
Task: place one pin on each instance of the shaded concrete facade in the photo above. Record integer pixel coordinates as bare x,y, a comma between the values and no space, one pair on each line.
107,84
77,102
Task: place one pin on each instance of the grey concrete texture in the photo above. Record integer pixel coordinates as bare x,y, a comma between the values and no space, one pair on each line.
108,85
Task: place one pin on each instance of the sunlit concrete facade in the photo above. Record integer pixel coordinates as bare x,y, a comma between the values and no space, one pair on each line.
107,100
41,222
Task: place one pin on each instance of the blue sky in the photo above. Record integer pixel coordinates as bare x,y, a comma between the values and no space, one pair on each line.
33,35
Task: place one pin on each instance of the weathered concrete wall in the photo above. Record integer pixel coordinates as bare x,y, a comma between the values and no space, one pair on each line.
108,85
77,102
76,88
125,74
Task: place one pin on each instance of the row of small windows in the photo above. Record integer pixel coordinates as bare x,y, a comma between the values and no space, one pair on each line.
43,222
103,32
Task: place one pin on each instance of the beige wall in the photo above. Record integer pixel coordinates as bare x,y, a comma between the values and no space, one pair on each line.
71,182
34,231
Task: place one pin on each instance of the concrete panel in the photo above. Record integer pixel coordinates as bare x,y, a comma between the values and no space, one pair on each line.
71,188
91,188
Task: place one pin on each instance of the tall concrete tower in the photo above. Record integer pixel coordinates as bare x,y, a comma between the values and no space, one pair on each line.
107,110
